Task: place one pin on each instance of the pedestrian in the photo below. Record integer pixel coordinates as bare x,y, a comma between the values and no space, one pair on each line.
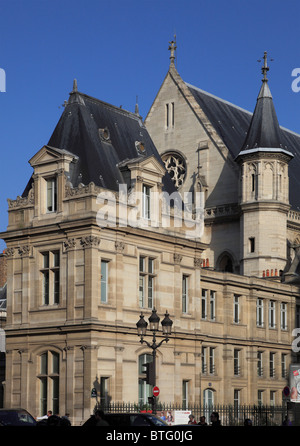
65,420
192,419
202,421
214,418
286,422
99,416
247,422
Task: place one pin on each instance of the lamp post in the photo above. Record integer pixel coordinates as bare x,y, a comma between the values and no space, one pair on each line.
154,327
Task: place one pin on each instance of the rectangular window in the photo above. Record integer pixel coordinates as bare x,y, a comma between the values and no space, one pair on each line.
104,281
203,304
50,277
283,366
185,394
272,320
272,397
260,399
170,115
260,312
146,212
259,363
185,293
283,316
146,282
203,358
272,365
211,360
251,244
212,304
51,195
236,362
236,309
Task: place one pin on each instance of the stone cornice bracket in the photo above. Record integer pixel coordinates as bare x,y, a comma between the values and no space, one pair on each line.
24,250
9,252
177,258
197,262
90,241
70,243
119,246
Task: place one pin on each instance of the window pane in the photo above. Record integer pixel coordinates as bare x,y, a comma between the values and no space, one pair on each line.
104,274
56,259
43,396
141,291
44,364
46,287
46,260
150,292
56,287
142,264
55,363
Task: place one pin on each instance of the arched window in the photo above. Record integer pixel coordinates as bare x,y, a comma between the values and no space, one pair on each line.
144,388
48,378
225,263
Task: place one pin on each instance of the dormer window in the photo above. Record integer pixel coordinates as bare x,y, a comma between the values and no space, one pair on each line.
51,194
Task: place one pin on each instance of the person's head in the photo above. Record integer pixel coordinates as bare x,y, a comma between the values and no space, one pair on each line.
202,419
214,416
247,422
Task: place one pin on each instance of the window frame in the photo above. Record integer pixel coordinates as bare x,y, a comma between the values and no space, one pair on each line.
147,281
51,201
50,271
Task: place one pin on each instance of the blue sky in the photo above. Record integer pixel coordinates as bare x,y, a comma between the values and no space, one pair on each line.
118,49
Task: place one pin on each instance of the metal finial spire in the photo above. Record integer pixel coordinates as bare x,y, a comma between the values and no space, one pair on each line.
172,49
265,67
75,85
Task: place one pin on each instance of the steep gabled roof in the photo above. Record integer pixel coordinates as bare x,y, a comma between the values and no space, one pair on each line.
101,136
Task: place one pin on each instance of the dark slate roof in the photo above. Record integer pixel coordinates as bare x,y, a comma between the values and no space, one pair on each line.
232,124
102,136
264,130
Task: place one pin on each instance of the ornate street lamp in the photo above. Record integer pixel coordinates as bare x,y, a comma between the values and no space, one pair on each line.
154,327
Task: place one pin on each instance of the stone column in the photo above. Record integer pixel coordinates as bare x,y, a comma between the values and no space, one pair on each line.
119,382
24,252
91,276
119,246
177,379
69,264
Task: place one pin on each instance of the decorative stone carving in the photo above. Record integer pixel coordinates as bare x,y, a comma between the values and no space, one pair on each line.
24,250
176,167
90,241
177,258
9,252
120,246
70,243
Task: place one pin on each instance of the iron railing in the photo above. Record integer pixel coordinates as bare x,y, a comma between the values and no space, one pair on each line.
229,415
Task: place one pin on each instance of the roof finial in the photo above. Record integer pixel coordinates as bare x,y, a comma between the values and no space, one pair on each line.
172,48
136,110
265,67
75,85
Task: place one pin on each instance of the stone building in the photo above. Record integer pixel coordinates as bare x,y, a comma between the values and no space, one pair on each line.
102,232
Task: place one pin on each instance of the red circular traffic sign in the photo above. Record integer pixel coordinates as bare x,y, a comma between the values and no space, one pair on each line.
155,391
